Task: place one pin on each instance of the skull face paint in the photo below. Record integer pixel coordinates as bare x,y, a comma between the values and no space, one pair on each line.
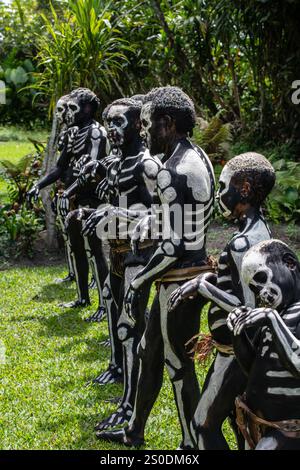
61,109
116,124
273,282
153,132
146,123
73,110
228,196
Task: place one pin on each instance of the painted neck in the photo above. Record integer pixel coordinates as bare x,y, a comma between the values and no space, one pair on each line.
133,147
246,212
85,123
172,143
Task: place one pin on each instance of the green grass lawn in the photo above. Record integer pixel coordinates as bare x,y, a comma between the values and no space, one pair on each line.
51,354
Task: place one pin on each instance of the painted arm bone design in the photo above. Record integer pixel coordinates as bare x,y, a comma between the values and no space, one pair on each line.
141,231
287,344
221,298
172,246
189,290
205,285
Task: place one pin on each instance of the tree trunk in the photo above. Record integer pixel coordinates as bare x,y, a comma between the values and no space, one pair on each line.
236,93
48,164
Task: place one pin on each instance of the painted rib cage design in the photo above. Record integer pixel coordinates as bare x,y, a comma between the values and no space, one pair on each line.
229,276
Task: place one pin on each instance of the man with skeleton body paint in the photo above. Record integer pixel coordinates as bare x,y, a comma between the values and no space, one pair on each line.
87,250
129,194
185,188
83,141
245,182
61,110
269,412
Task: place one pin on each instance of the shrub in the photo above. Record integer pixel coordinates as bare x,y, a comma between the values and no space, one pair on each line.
19,228
215,138
284,202
20,176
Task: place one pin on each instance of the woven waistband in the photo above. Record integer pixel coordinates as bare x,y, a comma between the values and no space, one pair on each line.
124,246
185,274
223,348
289,426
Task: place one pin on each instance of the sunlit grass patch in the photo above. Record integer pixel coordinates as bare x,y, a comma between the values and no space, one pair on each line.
51,355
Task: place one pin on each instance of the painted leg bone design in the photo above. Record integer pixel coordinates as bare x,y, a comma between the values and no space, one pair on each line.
127,336
118,418
111,376
98,316
70,276
114,373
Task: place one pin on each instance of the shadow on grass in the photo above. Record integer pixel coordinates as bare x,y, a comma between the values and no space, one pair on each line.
68,323
93,346
50,292
84,423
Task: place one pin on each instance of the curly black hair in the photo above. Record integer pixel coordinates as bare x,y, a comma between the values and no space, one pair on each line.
138,97
257,170
134,106
63,98
277,251
173,101
86,96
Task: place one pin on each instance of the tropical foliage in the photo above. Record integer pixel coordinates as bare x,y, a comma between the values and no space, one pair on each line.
238,61
236,56
19,225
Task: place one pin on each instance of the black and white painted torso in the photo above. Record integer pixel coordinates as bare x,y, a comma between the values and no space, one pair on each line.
185,191
125,176
272,389
129,185
187,180
253,230
78,142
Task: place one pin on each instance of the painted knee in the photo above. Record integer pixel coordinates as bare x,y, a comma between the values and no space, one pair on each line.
107,294
125,331
176,371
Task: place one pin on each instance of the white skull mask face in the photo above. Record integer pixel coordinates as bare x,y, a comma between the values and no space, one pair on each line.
116,124
259,277
146,123
73,109
61,110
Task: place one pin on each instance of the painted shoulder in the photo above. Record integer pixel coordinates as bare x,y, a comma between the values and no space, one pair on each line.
205,158
97,131
149,165
254,232
199,173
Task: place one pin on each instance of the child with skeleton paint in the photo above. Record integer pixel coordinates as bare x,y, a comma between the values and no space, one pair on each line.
268,414
245,182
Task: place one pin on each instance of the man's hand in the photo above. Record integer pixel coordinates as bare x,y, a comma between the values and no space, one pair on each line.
245,317
89,227
88,172
189,290
33,194
140,233
63,204
131,304
79,165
